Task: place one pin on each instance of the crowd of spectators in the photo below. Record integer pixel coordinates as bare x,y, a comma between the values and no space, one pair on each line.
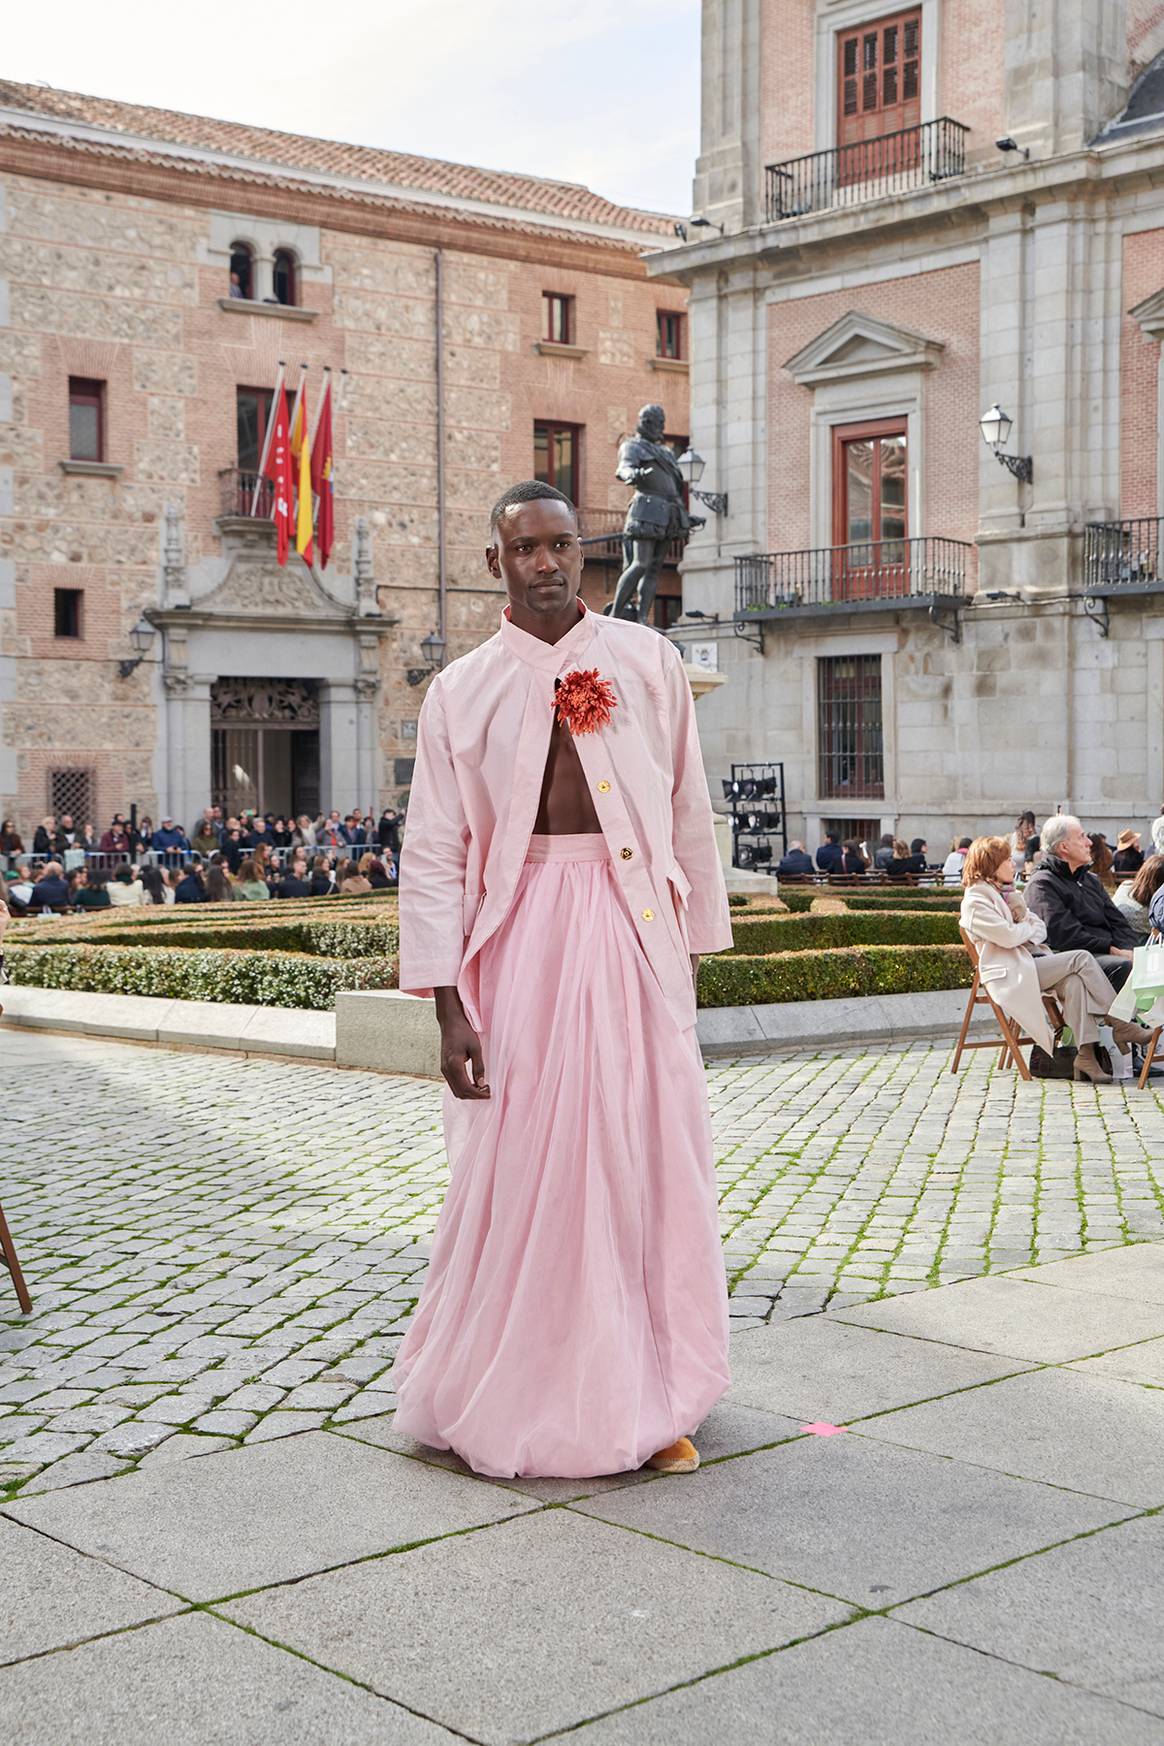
222,859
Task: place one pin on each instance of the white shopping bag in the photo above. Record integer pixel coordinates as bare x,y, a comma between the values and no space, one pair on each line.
1145,986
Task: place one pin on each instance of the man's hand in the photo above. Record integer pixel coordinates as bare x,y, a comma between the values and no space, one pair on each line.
695,969
459,1043
1122,952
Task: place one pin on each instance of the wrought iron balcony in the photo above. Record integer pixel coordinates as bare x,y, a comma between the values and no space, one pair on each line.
601,531
926,572
236,495
849,175
1122,557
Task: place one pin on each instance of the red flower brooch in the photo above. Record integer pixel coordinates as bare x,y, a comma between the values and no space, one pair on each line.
583,701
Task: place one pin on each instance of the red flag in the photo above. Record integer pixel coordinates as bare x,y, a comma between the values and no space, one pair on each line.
321,480
278,470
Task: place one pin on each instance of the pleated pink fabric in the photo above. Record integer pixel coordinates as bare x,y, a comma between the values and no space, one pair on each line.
574,1315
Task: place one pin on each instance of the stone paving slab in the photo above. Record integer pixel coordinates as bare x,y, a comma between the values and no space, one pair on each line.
729,1429
821,1368
52,1596
1031,1613
868,1522
1135,1272
878,1683
194,1681
266,1514
1017,1318
1091,1433
533,1625
1143,1363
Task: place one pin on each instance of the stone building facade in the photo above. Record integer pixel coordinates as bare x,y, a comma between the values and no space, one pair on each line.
927,210
480,327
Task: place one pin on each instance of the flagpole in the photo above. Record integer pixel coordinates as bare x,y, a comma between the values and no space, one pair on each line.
264,457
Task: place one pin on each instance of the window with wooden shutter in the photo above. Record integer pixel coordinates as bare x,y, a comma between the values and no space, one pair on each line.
879,78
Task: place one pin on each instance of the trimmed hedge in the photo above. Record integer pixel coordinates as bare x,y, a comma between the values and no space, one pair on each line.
800,933
948,898
239,978
832,975
318,939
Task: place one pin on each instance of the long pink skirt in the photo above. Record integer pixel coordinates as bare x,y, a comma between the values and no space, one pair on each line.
574,1316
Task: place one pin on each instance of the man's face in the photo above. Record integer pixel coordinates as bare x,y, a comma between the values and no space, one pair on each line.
537,555
651,424
1075,848
66,821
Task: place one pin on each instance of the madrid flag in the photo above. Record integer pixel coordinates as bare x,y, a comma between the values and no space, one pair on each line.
278,471
321,480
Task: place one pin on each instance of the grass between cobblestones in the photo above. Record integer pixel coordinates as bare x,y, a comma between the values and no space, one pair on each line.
225,1251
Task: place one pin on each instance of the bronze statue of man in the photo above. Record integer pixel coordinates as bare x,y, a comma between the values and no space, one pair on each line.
657,513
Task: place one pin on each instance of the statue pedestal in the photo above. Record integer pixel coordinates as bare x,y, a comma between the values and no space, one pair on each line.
702,680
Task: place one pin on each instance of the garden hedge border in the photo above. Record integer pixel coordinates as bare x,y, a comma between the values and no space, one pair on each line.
289,979
760,934
852,972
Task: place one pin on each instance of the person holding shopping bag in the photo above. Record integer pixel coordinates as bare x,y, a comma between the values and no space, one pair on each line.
1017,970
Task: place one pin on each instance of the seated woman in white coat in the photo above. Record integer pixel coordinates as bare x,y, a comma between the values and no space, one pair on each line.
1017,970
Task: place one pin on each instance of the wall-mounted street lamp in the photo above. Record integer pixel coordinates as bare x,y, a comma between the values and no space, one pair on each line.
433,649
680,228
691,466
141,636
996,426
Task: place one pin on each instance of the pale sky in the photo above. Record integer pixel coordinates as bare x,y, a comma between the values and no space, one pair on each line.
603,92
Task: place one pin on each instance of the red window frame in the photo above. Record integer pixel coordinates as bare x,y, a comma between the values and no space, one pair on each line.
875,565
558,312
879,77
570,481
670,335
86,391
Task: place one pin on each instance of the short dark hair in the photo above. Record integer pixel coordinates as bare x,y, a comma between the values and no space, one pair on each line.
528,491
916,847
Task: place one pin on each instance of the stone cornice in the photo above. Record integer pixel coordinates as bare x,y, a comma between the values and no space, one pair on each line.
1150,315
1090,174
43,158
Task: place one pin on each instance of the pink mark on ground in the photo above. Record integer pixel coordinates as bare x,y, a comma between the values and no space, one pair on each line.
821,1430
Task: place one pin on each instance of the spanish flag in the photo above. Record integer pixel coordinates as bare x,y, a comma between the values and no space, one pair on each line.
301,451
321,478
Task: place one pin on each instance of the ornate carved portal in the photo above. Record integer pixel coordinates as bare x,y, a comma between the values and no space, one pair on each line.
264,743
290,702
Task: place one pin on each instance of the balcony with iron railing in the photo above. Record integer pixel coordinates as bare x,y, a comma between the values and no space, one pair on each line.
869,169
928,572
243,495
1122,557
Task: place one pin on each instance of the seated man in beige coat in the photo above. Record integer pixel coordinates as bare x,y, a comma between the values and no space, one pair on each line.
1017,970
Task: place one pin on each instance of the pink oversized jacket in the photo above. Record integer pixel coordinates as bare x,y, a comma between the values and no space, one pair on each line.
482,742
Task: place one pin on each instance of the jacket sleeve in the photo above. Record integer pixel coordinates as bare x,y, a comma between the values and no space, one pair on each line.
1066,932
432,861
983,920
709,927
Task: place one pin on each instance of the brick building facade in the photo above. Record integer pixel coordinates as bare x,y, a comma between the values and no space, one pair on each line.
928,209
481,327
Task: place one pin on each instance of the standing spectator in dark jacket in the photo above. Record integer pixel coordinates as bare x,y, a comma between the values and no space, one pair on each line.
830,857
115,841
233,848
1074,905
388,829
169,836
796,864
46,839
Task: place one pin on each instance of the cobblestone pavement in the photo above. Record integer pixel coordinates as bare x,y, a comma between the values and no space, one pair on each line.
226,1250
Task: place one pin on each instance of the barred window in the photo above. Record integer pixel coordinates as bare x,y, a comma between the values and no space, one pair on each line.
72,792
850,749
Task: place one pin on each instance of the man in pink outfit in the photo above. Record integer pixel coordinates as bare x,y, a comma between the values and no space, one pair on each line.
559,879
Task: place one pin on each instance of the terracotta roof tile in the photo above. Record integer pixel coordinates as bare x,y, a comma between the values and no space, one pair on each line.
415,175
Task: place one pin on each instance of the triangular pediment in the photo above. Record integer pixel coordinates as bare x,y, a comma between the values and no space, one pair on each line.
860,345
1150,315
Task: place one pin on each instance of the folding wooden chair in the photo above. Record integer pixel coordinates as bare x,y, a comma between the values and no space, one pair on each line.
1012,1034
8,1251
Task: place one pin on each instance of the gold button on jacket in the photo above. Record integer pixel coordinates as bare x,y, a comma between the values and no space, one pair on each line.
604,788
648,915
626,854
